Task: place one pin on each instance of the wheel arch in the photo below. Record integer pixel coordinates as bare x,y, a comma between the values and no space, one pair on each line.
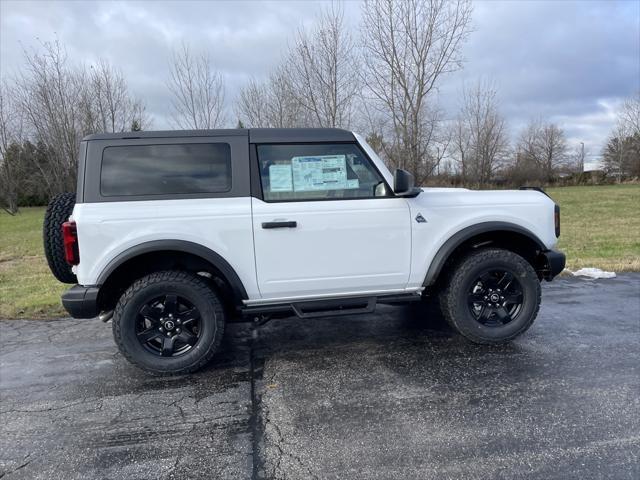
160,254
506,235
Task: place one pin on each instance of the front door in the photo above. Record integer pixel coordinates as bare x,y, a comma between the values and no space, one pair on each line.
320,228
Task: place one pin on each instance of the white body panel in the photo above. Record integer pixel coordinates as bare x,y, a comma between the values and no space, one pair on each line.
107,229
339,247
450,210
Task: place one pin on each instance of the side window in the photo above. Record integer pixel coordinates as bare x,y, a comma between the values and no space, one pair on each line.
165,169
316,172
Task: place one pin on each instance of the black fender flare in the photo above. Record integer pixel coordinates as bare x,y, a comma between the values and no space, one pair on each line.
180,246
465,234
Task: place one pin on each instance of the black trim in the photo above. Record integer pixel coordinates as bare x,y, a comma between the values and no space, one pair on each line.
81,302
414,192
256,135
552,263
299,135
399,298
181,246
82,158
322,308
331,306
537,189
285,224
254,172
465,234
235,132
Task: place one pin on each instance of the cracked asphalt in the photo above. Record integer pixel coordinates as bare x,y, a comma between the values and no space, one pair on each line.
389,395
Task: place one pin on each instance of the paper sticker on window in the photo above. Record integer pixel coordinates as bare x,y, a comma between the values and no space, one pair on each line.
280,179
324,172
353,183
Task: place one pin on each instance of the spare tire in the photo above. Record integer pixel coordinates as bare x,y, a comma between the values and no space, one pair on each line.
58,211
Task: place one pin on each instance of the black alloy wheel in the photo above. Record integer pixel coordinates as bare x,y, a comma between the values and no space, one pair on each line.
168,326
169,322
491,296
495,298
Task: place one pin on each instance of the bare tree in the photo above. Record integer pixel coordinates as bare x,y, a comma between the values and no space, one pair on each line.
109,105
480,137
461,147
552,147
408,46
10,134
60,103
629,117
545,146
576,158
271,103
51,96
621,154
322,70
197,90
252,104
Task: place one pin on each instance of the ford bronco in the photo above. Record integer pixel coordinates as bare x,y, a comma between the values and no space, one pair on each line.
172,234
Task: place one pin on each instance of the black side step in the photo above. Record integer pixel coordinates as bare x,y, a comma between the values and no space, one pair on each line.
329,307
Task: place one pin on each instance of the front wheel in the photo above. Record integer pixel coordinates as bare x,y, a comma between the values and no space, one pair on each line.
169,322
492,297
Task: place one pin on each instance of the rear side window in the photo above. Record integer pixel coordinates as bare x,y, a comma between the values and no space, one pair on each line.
165,169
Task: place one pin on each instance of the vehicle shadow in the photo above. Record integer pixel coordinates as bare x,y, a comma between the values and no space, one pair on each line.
393,327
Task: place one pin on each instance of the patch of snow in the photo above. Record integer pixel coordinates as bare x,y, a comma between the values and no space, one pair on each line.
592,273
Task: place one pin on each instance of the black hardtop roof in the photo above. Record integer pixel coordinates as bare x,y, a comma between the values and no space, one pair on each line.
256,135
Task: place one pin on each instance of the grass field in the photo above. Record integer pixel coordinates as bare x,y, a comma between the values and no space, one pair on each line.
600,228
27,288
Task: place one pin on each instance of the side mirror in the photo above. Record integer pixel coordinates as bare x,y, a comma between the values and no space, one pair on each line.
403,184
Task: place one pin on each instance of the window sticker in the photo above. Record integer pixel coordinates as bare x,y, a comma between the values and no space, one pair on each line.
324,172
280,178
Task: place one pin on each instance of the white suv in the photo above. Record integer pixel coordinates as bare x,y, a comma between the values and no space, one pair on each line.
172,234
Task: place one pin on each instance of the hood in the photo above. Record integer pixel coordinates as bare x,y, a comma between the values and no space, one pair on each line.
464,197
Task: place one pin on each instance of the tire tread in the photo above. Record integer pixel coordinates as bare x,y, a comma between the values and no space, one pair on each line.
58,211
187,279
449,303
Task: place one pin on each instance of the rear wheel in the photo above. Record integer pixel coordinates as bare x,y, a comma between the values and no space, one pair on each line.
169,322
492,297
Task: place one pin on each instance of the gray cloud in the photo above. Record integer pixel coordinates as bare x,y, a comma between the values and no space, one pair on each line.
571,62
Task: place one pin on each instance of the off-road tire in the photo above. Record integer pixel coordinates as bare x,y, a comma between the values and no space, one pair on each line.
160,283
453,298
58,211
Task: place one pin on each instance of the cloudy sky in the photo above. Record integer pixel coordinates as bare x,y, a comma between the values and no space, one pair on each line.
570,62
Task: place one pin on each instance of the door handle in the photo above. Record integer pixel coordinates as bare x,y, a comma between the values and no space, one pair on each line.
279,224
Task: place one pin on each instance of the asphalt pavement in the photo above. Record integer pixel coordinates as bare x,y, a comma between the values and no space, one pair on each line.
390,395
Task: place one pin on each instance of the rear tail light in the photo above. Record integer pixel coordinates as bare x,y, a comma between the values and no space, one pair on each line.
556,219
70,239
